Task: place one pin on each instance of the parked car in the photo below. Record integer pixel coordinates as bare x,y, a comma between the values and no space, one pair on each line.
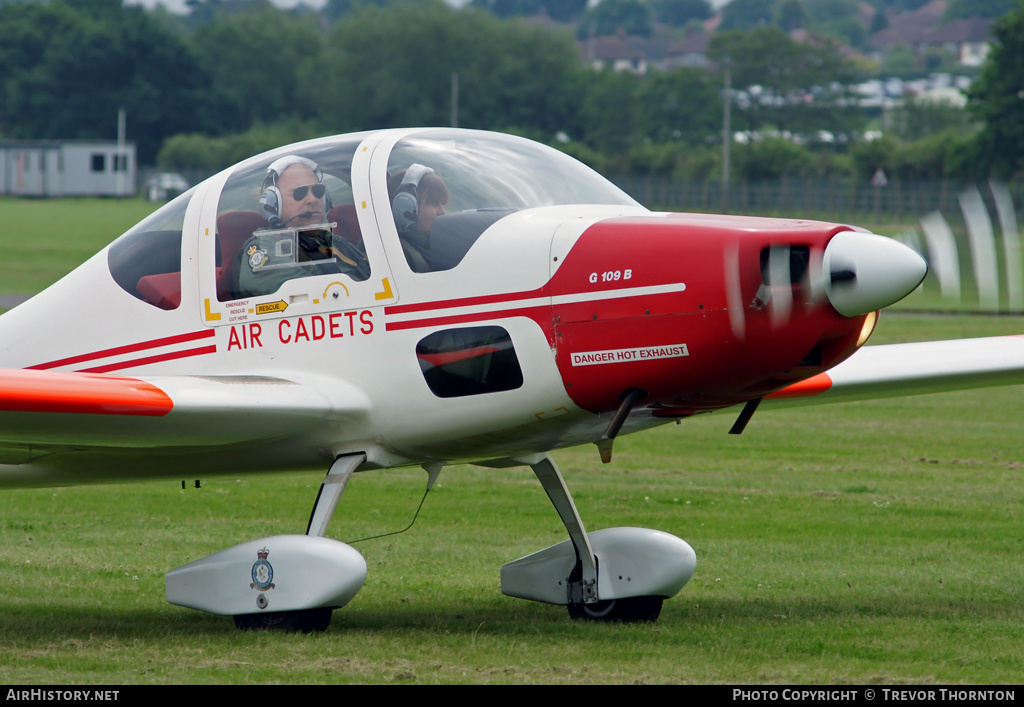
164,186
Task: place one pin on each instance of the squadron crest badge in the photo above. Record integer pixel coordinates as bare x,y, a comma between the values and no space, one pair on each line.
257,257
262,571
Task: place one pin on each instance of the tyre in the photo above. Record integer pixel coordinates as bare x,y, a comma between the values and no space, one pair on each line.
305,621
629,611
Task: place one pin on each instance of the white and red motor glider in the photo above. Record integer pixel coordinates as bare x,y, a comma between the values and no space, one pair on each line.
529,305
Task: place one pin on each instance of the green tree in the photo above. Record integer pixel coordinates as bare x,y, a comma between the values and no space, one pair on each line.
393,67
771,158
946,154
677,13
848,31
334,10
900,61
277,81
839,19
795,86
561,10
997,98
792,14
683,105
906,5
831,10
879,21
202,12
67,67
989,9
748,14
917,118
608,110
565,10
188,152
872,155
634,17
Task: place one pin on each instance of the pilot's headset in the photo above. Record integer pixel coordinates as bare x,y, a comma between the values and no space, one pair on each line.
270,196
406,204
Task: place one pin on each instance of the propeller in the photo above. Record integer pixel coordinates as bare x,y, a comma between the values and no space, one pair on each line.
944,255
983,247
856,273
779,281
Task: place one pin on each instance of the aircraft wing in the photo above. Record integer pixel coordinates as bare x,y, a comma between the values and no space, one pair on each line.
47,418
911,369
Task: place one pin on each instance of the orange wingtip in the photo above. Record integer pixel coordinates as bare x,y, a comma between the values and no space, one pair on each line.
815,385
82,393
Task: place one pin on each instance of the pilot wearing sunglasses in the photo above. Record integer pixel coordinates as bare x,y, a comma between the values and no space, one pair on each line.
300,191
294,196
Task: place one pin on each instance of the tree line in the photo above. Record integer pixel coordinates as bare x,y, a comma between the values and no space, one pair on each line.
235,77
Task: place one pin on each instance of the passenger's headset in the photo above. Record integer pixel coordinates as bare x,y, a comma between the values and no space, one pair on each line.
406,205
271,197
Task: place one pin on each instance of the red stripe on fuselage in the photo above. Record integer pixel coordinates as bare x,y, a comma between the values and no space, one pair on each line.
531,312
52,391
150,359
128,348
544,291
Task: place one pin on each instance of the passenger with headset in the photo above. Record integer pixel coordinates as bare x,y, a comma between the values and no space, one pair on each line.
293,193
293,196
418,196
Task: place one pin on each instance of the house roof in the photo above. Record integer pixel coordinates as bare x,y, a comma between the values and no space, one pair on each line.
912,26
608,49
695,43
974,29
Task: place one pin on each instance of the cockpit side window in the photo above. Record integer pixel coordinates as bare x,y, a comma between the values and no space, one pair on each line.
292,215
447,188
146,261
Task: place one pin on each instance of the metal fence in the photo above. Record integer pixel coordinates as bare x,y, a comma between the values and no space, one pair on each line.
827,198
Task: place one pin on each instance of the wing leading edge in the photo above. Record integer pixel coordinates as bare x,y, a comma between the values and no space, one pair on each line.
58,427
912,369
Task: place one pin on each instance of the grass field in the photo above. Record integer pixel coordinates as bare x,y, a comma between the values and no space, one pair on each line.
875,542
45,239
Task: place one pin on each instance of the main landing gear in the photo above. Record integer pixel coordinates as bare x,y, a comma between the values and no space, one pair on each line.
281,583
614,574
294,582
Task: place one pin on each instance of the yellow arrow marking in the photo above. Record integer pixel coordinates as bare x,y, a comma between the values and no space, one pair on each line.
211,316
387,293
271,307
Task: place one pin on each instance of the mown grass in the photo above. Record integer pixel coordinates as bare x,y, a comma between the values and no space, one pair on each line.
875,542
45,239
868,543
